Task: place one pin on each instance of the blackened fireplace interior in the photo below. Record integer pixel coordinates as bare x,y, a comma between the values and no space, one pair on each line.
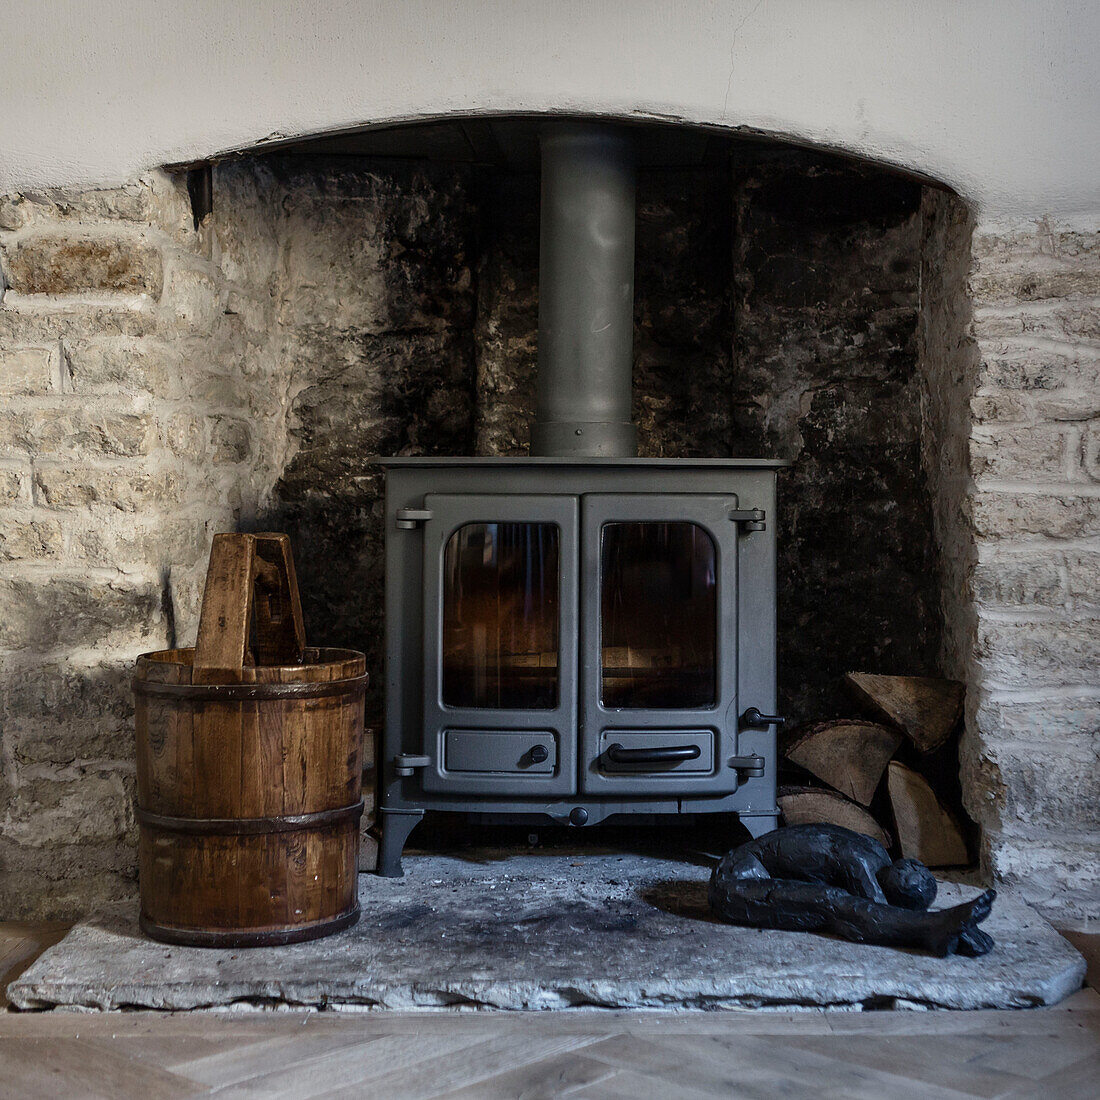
579,634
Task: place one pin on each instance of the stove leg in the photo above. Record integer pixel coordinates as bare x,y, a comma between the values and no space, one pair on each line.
396,826
759,824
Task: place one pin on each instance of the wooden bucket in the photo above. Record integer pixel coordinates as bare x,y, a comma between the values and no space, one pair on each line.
249,774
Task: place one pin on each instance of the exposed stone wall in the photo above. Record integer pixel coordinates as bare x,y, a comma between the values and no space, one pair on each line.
826,279
132,426
1032,369
683,353
374,343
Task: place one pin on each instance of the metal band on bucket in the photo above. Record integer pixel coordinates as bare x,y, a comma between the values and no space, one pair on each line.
233,693
247,826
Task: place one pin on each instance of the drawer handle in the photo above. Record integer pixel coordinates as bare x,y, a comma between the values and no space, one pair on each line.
652,756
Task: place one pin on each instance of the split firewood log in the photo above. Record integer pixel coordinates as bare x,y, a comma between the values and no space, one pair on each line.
849,754
924,708
926,828
815,806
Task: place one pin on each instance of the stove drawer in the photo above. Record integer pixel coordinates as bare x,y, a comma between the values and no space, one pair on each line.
500,752
656,752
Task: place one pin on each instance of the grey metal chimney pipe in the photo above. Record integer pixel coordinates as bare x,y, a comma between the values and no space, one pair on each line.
586,294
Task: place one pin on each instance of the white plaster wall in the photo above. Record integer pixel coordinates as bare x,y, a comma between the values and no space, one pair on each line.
998,98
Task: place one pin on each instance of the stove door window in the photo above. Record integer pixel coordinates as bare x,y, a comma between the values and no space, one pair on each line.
501,616
658,616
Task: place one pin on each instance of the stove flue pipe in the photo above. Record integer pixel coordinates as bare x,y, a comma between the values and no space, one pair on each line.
586,294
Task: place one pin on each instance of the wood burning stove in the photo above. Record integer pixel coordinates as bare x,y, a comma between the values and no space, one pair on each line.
582,633
570,639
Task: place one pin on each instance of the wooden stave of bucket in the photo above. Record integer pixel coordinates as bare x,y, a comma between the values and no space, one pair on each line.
249,776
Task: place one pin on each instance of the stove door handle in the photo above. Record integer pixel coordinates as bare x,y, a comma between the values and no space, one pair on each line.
753,717
660,755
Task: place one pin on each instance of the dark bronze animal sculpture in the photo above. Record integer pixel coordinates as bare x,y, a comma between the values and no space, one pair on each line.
822,878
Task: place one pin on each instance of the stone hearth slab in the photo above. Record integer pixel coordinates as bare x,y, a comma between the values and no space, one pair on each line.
557,931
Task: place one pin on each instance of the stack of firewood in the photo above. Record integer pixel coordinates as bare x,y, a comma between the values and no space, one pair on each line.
892,775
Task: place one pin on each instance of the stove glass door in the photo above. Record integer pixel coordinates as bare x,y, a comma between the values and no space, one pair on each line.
500,655
500,616
659,651
658,615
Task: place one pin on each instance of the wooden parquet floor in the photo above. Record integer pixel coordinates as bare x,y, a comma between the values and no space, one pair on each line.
1049,1053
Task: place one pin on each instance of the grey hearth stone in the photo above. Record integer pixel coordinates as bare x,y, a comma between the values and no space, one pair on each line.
533,931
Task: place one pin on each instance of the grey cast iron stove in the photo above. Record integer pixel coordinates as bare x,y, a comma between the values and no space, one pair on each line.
579,634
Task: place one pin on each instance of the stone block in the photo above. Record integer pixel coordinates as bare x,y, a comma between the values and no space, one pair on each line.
1017,366
1030,242
1057,870
832,237
217,389
185,436
1022,452
124,489
247,234
51,612
1060,720
115,434
1047,785
12,213
177,541
1047,653
159,199
247,314
14,486
1068,404
1083,577
71,320
26,371
16,431
231,439
1005,287
73,429
848,419
1060,386
60,882
1001,408
1091,445
1065,322
122,365
26,539
61,712
82,265
1018,515
1019,582
409,271
193,300
83,803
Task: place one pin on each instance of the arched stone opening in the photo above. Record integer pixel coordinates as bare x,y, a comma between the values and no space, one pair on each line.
337,302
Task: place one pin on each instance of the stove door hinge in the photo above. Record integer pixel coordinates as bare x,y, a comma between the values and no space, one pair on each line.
410,518
752,766
406,763
749,519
